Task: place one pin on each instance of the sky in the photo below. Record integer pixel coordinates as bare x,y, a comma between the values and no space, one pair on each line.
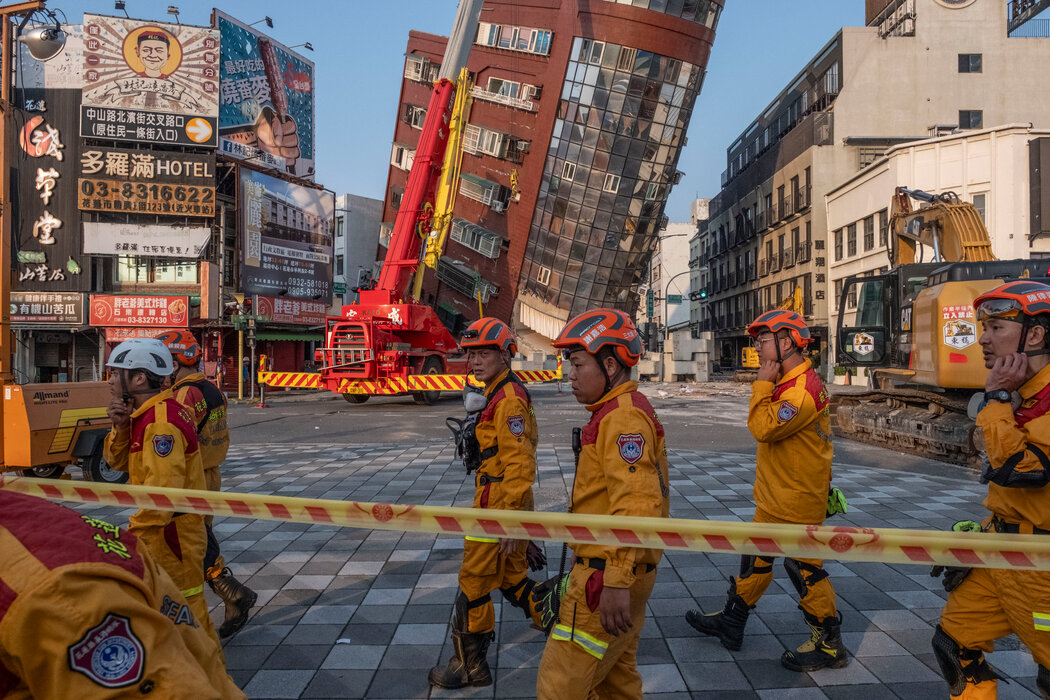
359,48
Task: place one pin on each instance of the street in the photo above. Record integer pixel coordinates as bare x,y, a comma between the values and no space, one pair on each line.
348,613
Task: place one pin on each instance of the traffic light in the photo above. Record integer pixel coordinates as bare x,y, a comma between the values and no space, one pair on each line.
649,303
698,295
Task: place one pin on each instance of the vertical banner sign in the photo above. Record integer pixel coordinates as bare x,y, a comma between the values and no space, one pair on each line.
287,244
44,150
266,100
150,82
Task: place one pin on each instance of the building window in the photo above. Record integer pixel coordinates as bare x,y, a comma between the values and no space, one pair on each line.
568,171
869,233
402,157
884,226
478,189
543,275
415,116
477,139
612,183
650,191
625,61
513,38
339,264
396,194
476,238
831,79
419,68
979,204
838,244
465,281
969,63
971,119
507,88
851,240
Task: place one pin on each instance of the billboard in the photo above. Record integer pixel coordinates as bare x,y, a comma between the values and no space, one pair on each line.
286,249
145,239
266,100
167,183
139,310
297,312
46,307
44,150
150,82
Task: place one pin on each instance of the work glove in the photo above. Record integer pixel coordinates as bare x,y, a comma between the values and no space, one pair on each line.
535,557
836,502
954,575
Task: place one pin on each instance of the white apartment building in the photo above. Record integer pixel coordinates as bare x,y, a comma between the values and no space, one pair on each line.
357,222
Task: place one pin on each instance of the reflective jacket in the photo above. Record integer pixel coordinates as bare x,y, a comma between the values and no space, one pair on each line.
1018,448
159,450
209,416
792,424
507,433
622,470
85,612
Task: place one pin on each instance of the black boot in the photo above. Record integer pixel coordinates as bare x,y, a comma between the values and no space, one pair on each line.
238,598
727,625
823,649
468,665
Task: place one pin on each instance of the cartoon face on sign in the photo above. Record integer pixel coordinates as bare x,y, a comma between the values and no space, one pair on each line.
152,52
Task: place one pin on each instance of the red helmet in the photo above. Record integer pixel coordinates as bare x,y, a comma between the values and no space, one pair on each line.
488,332
183,347
593,330
1014,299
781,320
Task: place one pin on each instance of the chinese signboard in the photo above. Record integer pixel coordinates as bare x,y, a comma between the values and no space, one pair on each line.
287,244
146,182
45,145
45,307
119,335
135,239
150,81
266,100
292,311
139,311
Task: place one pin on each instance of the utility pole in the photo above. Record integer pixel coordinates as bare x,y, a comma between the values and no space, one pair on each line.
6,341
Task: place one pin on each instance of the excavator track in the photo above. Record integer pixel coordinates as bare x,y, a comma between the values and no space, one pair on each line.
917,422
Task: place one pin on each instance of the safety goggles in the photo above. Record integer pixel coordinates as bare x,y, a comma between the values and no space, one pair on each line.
1008,309
470,335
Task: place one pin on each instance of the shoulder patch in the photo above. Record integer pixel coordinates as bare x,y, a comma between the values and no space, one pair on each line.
109,654
787,411
630,446
162,444
516,425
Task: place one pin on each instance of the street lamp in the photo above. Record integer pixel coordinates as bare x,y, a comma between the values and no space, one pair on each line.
307,45
667,288
268,20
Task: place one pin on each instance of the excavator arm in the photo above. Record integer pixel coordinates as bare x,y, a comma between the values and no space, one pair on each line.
953,228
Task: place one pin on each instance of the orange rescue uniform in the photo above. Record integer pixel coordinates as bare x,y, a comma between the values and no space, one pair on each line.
85,612
621,470
161,450
992,603
791,422
507,433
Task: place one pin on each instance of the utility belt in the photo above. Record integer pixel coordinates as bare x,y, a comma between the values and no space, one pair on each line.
485,479
489,452
599,565
1003,527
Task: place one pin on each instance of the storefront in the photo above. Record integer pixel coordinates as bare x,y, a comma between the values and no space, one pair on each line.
52,342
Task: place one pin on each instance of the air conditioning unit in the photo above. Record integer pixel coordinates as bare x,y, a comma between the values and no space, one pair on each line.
523,146
498,207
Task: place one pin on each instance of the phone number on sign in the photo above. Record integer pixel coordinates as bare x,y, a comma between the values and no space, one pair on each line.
177,200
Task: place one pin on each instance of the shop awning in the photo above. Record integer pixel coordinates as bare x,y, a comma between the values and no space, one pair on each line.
288,335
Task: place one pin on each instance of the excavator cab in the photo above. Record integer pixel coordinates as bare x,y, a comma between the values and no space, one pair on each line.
865,336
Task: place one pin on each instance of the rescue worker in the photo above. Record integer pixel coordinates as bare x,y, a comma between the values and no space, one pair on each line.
789,418
507,435
86,612
155,438
986,604
208,404
621,469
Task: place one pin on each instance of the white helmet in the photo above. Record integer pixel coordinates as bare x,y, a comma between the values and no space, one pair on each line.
142,353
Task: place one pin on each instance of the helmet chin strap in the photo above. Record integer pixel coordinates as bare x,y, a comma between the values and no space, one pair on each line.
125,391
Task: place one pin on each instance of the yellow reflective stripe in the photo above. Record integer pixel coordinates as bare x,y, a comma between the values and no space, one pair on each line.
594,647
481,539
1042,621
192,591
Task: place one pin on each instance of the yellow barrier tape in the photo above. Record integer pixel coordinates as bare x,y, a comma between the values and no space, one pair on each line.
891,546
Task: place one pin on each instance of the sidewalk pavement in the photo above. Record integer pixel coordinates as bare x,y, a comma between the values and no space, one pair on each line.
347,613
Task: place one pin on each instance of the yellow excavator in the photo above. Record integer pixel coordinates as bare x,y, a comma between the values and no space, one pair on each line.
915,331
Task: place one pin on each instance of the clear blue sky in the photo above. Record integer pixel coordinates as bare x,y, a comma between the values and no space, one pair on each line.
359,47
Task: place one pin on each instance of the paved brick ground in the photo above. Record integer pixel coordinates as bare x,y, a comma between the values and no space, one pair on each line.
358,614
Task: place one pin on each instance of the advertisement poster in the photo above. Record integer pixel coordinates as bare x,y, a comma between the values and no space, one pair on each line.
167,183
45,307
287,244
148,240
292,311
150,81
139,310
266,102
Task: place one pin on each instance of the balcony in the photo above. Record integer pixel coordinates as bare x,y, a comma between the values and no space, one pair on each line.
732,279
481,93
763,267
774,263
802,252
787,257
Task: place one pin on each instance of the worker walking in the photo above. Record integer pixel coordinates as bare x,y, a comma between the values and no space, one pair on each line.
505,437
208,404
789,418
155,439
87,613
986,604
621,469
